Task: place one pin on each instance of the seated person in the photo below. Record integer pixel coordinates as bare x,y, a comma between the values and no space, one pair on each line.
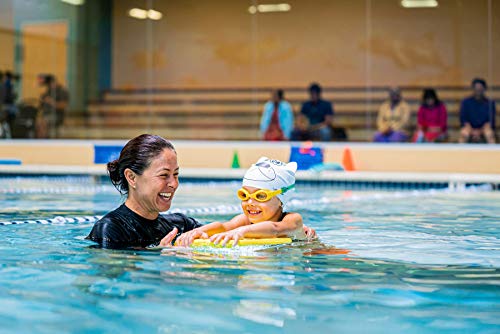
432,119
301,130
53,104
267,187
477,115
277,119
393,119
319,114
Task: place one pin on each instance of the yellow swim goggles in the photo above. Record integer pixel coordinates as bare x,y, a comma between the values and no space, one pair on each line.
262,195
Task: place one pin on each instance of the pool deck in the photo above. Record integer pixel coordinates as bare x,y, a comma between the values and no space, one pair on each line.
225,174
212,160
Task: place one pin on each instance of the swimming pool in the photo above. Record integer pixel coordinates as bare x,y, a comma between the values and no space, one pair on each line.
408,261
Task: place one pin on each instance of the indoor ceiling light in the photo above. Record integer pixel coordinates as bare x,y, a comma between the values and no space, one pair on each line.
143,14
74,2
138,13
419,3
154,14
269,8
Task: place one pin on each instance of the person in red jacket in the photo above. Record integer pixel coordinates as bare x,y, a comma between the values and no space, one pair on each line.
432,119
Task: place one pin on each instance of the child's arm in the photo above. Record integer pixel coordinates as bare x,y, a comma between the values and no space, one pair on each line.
290,226
208,230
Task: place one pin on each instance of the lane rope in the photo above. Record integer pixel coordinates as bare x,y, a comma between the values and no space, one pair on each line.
294,203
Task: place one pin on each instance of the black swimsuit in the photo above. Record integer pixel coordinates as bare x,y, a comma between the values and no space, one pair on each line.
123,228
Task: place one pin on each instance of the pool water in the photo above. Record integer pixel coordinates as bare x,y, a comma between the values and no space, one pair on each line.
387,262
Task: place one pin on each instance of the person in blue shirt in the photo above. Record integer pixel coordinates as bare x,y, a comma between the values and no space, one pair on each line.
276,123
477,115
319,114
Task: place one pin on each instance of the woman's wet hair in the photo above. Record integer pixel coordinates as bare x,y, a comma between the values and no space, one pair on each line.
137,156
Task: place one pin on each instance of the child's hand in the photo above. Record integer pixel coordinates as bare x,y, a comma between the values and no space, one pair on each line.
186,239
235,235
310,232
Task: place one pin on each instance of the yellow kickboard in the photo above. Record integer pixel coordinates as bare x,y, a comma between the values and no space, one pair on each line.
243,242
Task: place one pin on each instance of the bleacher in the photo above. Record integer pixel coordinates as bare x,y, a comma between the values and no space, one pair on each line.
234,114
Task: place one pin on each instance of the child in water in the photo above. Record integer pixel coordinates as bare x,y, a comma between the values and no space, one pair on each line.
266,189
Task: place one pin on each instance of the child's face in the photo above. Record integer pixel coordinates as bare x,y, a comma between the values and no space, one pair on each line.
261,211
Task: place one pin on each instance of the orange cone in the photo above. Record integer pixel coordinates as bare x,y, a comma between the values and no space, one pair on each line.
347,161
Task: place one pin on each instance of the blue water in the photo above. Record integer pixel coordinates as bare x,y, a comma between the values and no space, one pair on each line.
387,262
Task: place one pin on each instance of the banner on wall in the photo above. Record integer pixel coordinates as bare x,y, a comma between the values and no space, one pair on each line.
106,153
306,156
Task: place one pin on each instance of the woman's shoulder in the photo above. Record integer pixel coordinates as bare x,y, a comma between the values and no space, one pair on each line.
115,215
108,227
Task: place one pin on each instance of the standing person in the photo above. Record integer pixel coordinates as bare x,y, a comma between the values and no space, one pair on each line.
147,174
432,119
10,94
477,115
319,114
393,118
9,100
4,130
54,104
277,119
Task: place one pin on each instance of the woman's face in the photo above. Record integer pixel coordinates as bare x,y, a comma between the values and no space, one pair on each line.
155,188
261,211
430,101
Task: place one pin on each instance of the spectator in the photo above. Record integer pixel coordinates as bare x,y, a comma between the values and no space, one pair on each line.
277,119
2,88
9,98
10,94
53,104
432,119
301,129
477,115
319,114
4,131
393,118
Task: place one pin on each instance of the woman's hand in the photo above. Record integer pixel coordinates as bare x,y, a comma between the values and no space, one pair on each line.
186,239
310,232
224,237
167,240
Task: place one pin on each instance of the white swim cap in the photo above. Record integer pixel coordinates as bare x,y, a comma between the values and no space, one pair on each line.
273,175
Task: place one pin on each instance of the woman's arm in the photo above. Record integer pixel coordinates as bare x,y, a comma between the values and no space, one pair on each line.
290,226
208,230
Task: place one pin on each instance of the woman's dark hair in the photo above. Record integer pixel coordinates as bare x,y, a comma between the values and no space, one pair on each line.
430,93
137,156
280,93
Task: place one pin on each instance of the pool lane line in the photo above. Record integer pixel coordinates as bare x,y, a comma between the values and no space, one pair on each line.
234,209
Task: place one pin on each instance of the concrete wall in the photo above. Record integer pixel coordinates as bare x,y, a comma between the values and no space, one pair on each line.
336,42
86,56
6,36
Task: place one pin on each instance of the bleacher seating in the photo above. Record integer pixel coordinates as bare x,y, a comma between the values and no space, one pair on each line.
234,114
